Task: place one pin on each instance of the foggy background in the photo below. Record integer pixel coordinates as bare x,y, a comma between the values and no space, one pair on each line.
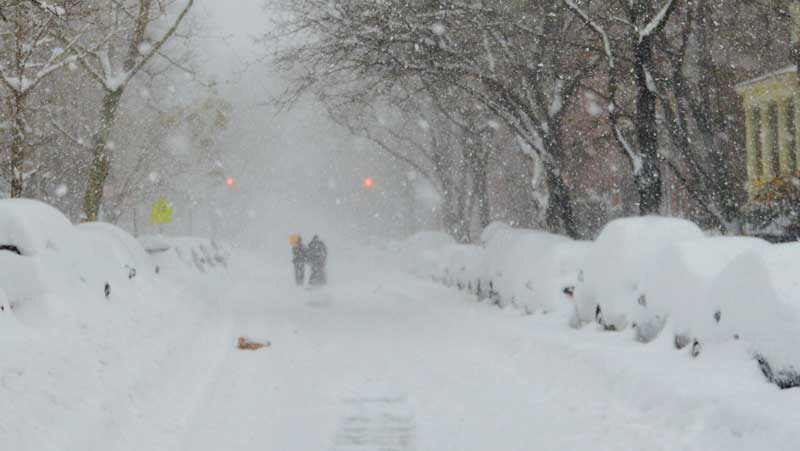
295,171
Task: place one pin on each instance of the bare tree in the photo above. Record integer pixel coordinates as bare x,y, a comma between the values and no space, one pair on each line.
123,41
30,56
524,68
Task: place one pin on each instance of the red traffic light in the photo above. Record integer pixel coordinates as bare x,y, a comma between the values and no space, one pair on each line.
368,182
230,181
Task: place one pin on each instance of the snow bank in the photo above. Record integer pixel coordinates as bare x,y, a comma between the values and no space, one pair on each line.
615,265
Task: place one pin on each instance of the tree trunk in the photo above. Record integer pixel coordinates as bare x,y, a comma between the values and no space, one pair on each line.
101,157
17,157
560,215
481,184
648,181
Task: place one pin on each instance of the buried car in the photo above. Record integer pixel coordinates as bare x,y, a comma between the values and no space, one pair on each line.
677,285
615,266
757,302
514,266
463,268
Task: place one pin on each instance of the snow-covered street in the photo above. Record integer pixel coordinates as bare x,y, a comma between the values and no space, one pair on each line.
376,360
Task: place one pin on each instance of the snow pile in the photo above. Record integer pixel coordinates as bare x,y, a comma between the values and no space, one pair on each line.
615,266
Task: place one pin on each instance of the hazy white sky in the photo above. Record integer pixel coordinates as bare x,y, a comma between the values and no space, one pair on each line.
297,171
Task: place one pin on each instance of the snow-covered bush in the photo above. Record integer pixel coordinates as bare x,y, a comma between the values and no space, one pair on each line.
615,264
677,285
758,299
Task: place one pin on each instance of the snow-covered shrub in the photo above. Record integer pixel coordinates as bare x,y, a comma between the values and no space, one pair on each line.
677,285
758,299
615,264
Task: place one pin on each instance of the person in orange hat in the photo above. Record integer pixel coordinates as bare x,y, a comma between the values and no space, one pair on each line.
298,259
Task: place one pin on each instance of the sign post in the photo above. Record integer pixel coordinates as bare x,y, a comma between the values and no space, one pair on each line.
161,213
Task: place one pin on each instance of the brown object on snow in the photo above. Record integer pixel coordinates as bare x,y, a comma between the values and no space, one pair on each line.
251,345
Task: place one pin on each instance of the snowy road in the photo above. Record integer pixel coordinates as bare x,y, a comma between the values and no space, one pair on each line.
385,361
460,375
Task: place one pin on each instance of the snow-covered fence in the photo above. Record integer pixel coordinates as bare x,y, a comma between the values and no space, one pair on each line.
652,275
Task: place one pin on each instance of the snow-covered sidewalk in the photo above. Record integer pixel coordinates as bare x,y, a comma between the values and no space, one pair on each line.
377,360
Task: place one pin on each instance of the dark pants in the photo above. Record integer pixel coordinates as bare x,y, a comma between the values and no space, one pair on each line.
299,273
318,276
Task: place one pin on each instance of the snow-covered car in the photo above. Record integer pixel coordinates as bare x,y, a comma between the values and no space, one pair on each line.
464,264
123,252
43,258
615,265
757,300
677,285
512,265
184,255
556,274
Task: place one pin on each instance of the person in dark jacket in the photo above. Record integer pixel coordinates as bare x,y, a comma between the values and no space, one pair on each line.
298,259
317,255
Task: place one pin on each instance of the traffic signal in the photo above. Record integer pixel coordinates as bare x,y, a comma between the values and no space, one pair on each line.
368,182
230,181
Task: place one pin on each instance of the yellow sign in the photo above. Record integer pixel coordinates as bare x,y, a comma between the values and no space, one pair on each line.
161,212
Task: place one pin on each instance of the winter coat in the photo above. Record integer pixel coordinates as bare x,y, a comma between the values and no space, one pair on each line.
299,253
316,252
